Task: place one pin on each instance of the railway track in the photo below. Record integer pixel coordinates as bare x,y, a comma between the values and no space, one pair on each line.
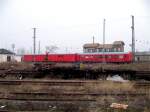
85,97
47,99
26,98
78,94
72,73
68,82
45,82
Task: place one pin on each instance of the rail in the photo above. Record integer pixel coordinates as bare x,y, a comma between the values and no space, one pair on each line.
69,82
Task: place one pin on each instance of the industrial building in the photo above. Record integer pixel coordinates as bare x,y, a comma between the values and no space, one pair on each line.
116,46
142,56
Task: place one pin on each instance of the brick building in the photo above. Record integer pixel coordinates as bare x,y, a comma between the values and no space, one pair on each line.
116,46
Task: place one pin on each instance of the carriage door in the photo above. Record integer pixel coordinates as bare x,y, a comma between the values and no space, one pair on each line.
61,58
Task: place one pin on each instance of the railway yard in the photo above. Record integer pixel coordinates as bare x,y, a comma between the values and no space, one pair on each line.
79,57
73,94
132,71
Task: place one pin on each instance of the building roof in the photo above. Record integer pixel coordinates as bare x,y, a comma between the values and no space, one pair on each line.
5,51
142,53
107,46
104,53
118,43
91,45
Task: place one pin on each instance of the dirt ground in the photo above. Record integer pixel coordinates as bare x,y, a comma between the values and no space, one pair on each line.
145,66
135,103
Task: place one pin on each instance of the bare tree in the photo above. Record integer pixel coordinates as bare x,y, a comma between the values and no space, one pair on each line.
21,51
51,49
13,47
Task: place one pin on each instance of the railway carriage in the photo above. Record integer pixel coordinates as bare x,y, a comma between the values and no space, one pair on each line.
110,57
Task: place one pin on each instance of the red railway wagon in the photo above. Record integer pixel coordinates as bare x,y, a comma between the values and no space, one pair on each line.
63,57
31,58
51,58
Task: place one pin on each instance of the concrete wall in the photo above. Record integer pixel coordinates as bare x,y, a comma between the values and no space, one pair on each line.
17,58
8,57
2,58
142,56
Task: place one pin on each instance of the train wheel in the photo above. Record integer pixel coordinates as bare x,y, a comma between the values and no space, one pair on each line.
19,76
3,75
102,76
126,76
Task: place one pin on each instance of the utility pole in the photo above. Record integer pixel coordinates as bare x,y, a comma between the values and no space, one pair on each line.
66,50
13,48
104,40
93,39
39,50
133,38
34,43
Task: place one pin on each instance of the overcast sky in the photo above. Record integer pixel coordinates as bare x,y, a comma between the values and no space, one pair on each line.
72,23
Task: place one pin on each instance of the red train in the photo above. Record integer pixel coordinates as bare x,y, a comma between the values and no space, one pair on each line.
111,57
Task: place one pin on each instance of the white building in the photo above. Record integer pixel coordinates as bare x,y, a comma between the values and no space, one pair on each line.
8,56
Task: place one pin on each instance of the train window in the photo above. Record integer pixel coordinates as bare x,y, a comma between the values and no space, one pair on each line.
60,56
86,56
109,57
116,56
82,56
120,56
99,56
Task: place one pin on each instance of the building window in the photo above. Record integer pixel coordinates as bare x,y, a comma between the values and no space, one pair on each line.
88,50
100,49
85,50
110,50
107,50
97,50
115,49
119,49
104,50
